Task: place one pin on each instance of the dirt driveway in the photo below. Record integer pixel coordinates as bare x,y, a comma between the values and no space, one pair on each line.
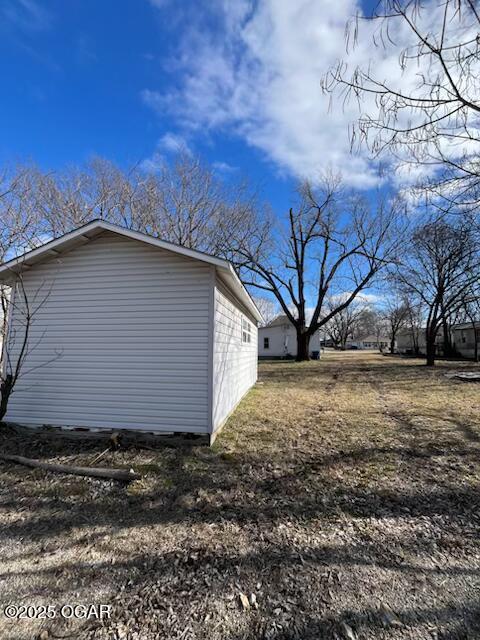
342,500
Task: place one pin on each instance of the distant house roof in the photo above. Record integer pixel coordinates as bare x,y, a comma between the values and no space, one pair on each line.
91,230
278,321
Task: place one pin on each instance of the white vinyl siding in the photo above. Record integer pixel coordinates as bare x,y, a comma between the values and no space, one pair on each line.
124,330
282,341
234,359
464,340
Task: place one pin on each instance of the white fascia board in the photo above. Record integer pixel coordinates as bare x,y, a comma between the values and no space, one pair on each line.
236,286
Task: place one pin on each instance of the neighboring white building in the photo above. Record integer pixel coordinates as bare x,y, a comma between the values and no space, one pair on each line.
279,339
131,332
408,340
380,343
464,338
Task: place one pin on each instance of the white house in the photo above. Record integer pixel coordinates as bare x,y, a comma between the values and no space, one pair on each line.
464,338
130,332
380,343
409,340
278,339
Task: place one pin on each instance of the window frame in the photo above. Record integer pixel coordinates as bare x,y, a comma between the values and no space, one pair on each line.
246,331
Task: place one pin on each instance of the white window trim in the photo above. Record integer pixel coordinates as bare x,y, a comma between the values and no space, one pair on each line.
246,331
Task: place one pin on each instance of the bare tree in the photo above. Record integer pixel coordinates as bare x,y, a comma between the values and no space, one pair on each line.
396,315
414,321
19,219
185,203
370,322
427,113
190,203
441,268
327,245
19,224
197,210
268,308
345,323
19,311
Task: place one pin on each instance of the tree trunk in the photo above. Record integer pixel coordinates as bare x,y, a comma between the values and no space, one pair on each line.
416,346
392,343
6,388
303,343
430,350
447,343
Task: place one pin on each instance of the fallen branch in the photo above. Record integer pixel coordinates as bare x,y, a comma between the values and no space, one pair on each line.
108,474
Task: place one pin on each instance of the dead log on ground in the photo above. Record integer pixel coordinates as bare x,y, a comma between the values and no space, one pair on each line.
93,472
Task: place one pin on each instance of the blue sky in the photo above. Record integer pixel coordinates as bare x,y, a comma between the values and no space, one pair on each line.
237,82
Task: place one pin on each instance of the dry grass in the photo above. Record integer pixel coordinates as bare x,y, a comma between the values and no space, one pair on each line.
343,494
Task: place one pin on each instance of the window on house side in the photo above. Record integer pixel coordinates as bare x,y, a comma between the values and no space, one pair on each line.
246,331
266,343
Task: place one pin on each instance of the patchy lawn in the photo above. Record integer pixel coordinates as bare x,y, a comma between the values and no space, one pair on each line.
343,494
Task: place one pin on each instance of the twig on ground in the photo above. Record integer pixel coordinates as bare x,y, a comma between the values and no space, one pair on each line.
100,456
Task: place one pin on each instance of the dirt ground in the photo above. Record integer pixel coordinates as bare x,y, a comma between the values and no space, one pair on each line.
341,501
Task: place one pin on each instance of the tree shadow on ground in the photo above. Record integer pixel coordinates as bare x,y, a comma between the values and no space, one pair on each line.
299,596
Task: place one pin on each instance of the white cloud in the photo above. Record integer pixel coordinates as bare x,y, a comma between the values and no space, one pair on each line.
169,143
154,163
173,143
362,299
369,298
260,76
223,167
27,15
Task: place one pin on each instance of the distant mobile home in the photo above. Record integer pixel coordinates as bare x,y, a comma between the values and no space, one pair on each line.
464,338
408,341
278,339
131,333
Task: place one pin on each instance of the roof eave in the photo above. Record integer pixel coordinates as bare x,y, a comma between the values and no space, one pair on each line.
238,288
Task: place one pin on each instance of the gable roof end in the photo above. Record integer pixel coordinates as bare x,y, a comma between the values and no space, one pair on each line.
278,321
91,230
